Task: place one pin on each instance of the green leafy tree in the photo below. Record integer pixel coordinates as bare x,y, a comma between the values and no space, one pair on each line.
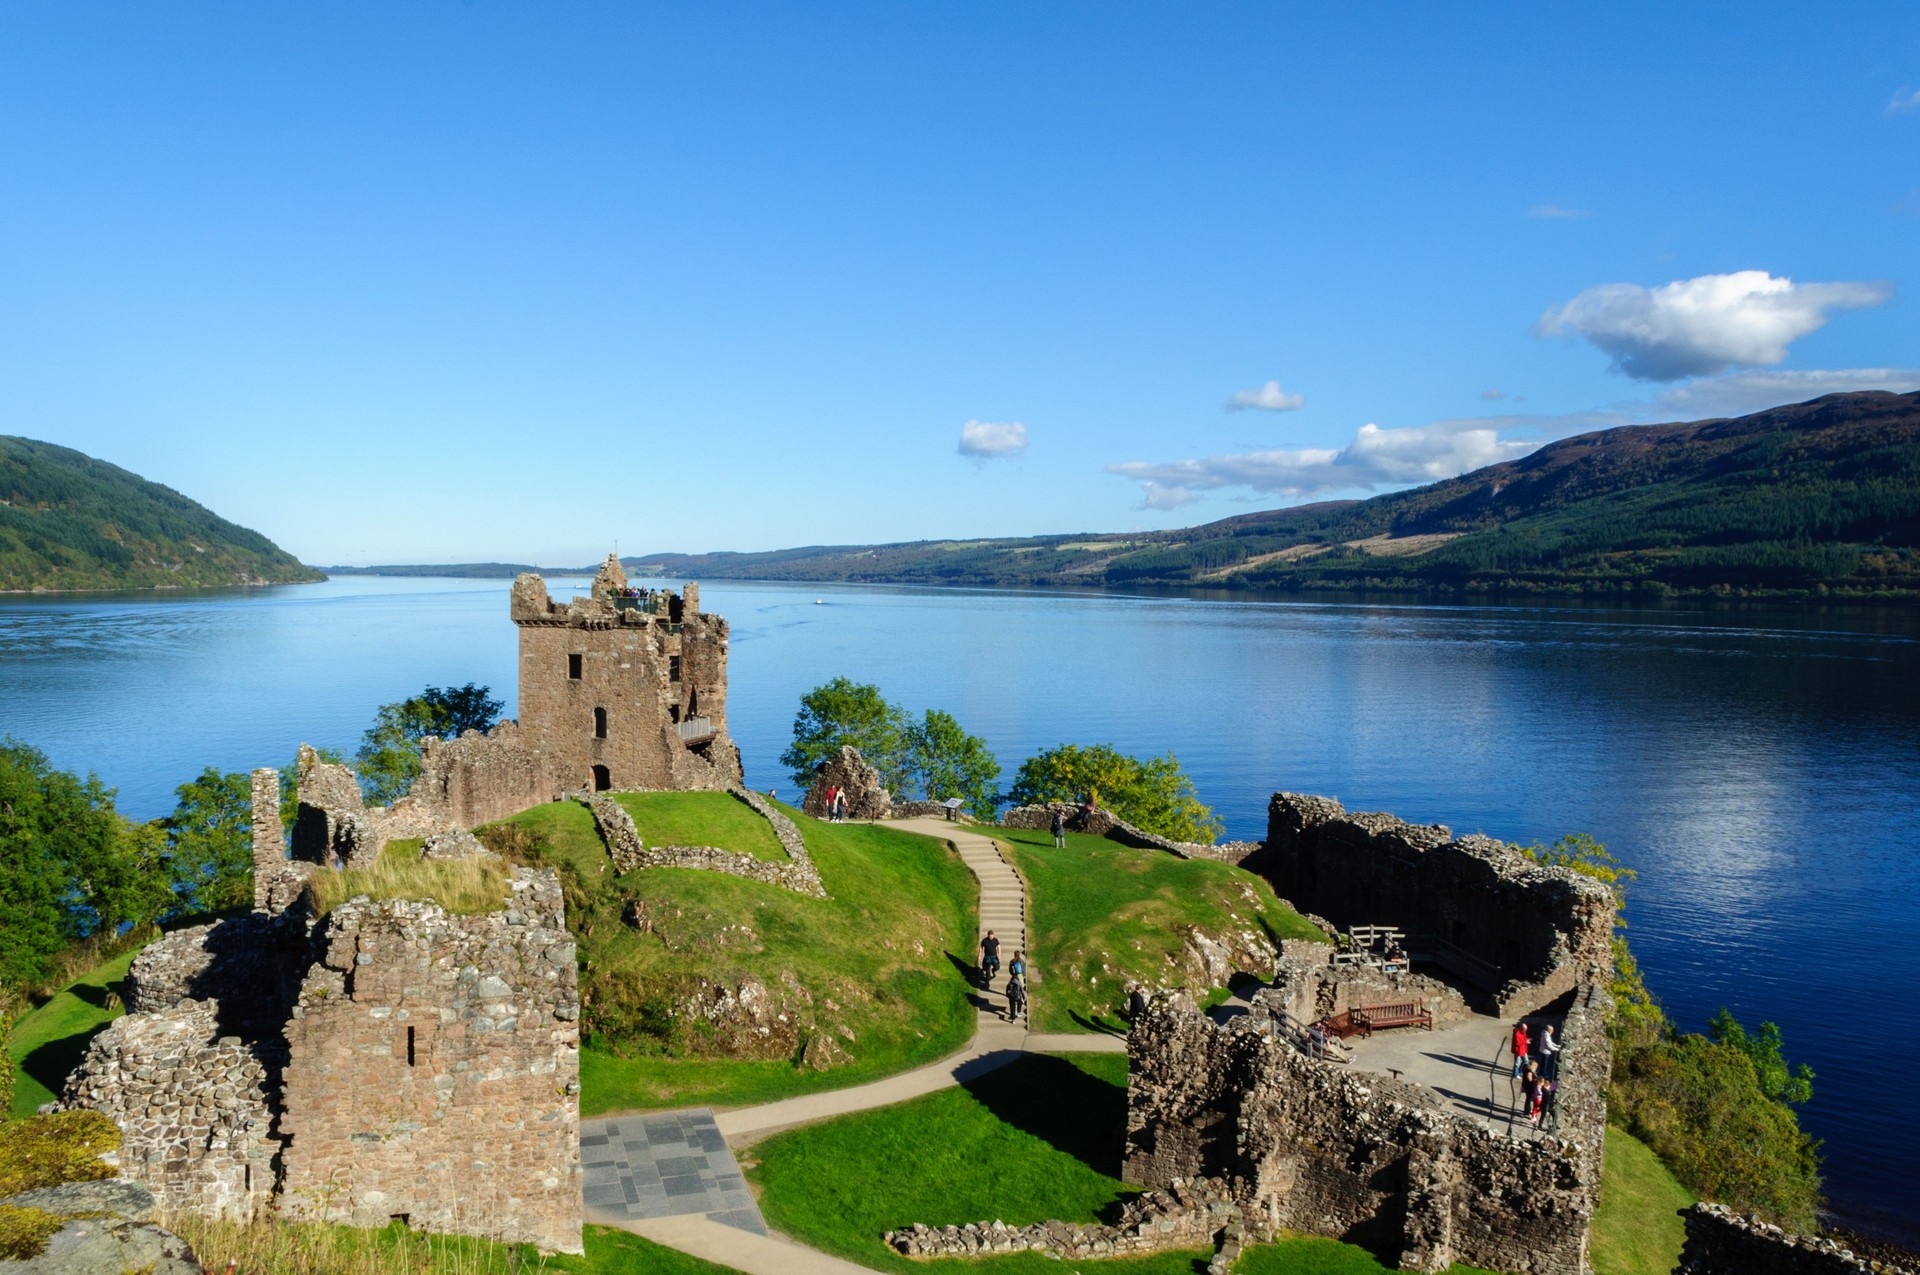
1791,1085
70,866
389,755
210,842
1637,1017
1153,793
947,762
844,712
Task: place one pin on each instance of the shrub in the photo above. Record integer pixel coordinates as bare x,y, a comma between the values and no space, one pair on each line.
25,1232
1153,794
48,1150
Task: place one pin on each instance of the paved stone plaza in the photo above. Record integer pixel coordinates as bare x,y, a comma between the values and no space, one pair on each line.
663,1164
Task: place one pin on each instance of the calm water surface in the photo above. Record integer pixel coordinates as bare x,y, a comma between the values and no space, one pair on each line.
1760,769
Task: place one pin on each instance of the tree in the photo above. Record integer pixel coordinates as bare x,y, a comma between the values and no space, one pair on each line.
1153,794
1763,1047
210,842
389,754
844,712
947,762
70,865
1638,1019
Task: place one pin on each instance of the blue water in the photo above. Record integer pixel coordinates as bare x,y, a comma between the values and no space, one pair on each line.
1759,768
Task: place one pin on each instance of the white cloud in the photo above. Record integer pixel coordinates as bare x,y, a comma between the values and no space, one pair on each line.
986,440
1555,212
1493,396
1696,327
1268,398
1903,101
1375,458
1744,392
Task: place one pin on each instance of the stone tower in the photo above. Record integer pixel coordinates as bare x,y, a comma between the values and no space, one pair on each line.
626,688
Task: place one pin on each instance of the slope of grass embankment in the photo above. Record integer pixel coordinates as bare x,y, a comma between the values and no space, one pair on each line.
852,987
1101,914
48,1042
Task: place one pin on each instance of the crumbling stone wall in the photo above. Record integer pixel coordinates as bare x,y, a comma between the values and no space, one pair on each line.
192,1107
1527,934
1309,1146
336,827
482,777
850,772
433,1071
1309,988
629,852
1722,1242
1186,1215
277,880
622,692
1100,822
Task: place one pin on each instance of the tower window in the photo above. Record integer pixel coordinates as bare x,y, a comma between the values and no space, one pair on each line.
573,667
599,723
673,668
410,1053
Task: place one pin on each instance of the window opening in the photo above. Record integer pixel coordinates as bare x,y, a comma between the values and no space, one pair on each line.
602,779
573,667
599,723
673,668
410,1055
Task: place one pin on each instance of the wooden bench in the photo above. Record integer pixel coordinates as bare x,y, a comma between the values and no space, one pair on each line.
1398,1014
1344,1024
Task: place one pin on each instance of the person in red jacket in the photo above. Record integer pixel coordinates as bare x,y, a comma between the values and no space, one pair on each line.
1520,1047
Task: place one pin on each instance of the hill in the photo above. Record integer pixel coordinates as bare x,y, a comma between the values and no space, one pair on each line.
1819,498
68,521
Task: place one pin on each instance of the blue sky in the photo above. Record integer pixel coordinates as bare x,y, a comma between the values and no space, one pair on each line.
437,282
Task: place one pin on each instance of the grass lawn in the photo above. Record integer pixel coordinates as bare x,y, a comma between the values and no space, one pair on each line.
49,1042
1101,913
1636,1227
701,819
874,965
291,1248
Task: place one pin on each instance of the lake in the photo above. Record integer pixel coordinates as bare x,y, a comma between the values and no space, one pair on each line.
1759,768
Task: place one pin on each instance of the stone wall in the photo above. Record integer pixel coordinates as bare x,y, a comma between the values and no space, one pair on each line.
1186,1215
192,1107
1722,1242
480,778
1100,822
336,828
608,681
433,1071
1314,1147
277,880
1478,908
849,771
1309,988
629,852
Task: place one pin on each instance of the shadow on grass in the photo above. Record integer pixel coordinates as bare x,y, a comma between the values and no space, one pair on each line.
976,995
53,1062
1077,1114
96,996
1109,1024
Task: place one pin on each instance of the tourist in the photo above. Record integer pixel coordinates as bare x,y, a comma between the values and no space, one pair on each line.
840,806
1016,998
1136,1002
989,957
833,793
1317,1038
1396,959
1520,1043
1542,1092
1529,1090
1018,967
1550,1052
1059,829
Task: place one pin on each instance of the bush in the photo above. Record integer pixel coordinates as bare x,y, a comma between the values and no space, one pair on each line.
25,1232
48,1150
1154,794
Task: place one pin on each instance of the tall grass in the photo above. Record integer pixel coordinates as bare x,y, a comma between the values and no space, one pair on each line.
464,887
296,1248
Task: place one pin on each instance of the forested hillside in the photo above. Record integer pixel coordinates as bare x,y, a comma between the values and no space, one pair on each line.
1815,499
68,521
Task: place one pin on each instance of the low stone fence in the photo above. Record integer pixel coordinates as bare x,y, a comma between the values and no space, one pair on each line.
629,852
1185,1215
1722,1242
1104,823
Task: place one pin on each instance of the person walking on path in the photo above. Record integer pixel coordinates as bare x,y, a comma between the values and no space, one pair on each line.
1016,998
1059,830
840,805
989,957
1017,967
1549,1053
1520,1043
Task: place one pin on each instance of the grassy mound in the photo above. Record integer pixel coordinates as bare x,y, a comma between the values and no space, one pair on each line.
464,887
49,1042
297,1248
701,819
836,991
1102,914
1035,1140
1637,1228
